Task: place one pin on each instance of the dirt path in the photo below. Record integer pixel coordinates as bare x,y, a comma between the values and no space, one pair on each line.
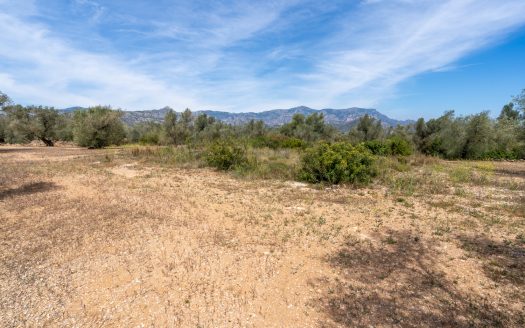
94,238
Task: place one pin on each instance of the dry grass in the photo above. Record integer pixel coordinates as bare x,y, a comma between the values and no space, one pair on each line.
104,238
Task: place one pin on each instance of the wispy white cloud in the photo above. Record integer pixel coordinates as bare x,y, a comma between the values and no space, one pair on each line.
387,42
40,67
48,71
222,24
92,8
243,55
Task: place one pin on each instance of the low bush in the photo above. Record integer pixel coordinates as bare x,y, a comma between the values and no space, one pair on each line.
277,141
225,155
376,147
398,146
150,139
337,163
500,155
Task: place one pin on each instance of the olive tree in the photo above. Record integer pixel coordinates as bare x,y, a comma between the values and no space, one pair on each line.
178,128
170,127
479,136
519,102
18,128
98,127
367,128
44,124
4,100
3,128
311,128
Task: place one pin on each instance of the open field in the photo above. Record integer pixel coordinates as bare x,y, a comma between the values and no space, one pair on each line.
105,238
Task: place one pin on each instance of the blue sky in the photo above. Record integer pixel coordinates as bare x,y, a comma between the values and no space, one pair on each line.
407,58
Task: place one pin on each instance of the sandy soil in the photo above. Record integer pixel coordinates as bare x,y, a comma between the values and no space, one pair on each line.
95,238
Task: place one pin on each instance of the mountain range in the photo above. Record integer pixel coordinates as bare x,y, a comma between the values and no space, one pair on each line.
340,118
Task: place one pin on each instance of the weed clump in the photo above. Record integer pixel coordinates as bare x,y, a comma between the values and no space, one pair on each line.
337,163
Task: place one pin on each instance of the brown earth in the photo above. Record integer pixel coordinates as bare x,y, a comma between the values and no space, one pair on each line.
97,238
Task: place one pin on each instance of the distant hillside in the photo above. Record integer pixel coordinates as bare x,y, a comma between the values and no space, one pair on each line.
341,118
70,109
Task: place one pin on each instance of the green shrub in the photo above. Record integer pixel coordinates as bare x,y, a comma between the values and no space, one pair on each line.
398,146
150,138
277,141
337,163
500,154
292,143
377,147
226,155
146,133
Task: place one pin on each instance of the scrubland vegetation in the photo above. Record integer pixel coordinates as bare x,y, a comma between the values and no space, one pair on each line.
195,223
326,154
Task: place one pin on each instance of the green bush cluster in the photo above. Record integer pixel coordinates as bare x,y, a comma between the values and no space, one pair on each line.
398,146
147,133
395,146
477,136
226,155
337,163
501,154
376,147
277,141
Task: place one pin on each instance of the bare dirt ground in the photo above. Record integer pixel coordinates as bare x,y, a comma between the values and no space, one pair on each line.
96,238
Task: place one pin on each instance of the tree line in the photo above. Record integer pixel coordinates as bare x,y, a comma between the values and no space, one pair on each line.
449,136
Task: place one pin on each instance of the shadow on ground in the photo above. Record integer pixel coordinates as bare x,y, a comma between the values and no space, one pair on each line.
503,262
514,172
27,189
398,283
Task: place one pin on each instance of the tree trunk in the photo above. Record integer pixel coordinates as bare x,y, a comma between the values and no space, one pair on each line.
48,142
